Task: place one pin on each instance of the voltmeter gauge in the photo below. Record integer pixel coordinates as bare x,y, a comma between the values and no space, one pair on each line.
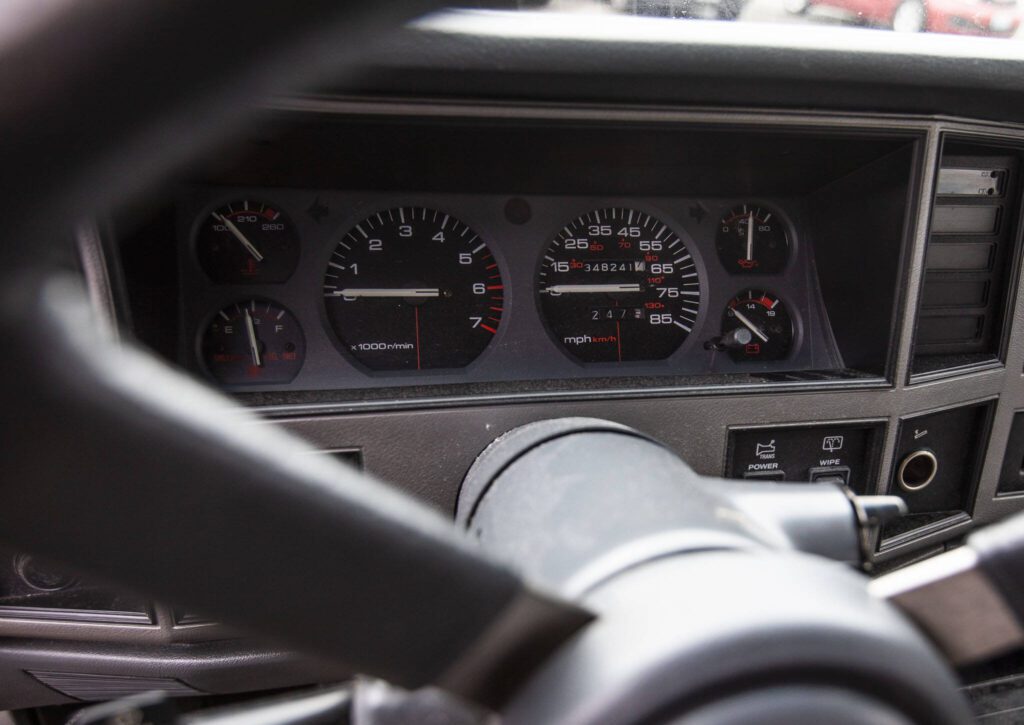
247,241
752,239
756,326
253,342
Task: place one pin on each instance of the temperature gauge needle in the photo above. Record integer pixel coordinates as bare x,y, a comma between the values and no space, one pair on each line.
750,325
583,289
249,247
384,292
254,345
750,237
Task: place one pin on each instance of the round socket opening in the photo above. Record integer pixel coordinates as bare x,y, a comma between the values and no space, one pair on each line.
917,470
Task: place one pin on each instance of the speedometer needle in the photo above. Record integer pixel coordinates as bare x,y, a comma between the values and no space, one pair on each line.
249,247
750,237
750,325
254,345
387,292
582,289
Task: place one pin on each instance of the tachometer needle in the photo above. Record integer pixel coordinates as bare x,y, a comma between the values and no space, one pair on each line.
750,237
583,289
384,292
750,325
249,247
254,345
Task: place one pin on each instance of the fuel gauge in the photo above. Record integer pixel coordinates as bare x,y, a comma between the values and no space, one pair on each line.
253,342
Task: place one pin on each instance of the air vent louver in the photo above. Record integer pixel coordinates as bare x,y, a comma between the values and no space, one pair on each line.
973,234
90,687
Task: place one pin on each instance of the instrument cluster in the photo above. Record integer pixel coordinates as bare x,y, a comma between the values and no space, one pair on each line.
299,289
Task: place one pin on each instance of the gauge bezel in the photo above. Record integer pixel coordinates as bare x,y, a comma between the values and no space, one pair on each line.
359,213
207,319
226,200
672,224
795,321
788,229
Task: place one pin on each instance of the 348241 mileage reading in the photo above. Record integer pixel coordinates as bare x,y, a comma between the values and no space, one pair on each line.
618,285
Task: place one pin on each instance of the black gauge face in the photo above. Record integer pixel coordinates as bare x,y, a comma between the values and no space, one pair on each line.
618,285
247,241
756,326
413,289
752,240
253,342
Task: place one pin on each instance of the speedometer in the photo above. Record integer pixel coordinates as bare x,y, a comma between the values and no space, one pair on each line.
618,285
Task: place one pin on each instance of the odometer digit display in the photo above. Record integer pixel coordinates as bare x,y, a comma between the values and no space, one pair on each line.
618,285
411,289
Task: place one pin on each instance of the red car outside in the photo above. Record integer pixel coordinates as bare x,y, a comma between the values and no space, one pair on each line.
999,18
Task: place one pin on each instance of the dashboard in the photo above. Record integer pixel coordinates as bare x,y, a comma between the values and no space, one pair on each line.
564,257
401,272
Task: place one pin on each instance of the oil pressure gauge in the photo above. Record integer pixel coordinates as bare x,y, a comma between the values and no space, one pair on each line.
752,239
756,326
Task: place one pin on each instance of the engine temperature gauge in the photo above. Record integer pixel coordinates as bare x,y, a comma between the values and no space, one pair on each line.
255,341
756,326
247,241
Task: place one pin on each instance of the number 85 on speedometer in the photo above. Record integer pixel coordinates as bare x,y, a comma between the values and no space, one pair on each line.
618,285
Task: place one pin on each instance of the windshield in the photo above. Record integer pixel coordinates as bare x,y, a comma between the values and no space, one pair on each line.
989,18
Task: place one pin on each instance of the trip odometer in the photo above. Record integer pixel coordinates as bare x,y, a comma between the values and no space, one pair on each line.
411,289
618,285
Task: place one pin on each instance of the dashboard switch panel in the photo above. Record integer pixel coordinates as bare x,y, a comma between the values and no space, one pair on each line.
837,453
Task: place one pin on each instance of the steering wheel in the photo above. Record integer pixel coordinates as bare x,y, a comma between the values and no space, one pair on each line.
128,470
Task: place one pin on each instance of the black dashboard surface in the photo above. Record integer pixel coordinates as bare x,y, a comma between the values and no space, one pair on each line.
484,71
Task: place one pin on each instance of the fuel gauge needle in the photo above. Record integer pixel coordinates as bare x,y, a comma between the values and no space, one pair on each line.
254,345
750,325
237,233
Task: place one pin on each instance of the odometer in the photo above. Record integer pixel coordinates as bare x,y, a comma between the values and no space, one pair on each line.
413,288
618,285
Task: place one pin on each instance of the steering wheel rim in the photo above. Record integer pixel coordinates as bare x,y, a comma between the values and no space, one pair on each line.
139,438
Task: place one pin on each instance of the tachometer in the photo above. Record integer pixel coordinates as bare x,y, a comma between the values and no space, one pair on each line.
617,285
413,288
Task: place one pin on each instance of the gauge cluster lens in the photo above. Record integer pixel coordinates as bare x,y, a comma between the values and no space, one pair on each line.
253,341
756,326
247,241
752,240
618,285
413,289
